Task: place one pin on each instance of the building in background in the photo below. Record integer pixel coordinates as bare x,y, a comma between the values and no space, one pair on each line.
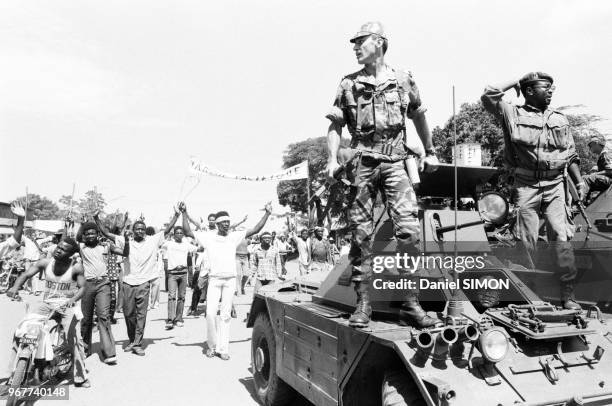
8,220
469,154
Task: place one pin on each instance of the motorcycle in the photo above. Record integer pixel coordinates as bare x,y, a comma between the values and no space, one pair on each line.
9,271
43,352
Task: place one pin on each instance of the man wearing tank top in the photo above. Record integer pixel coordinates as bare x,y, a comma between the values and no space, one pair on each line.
64,286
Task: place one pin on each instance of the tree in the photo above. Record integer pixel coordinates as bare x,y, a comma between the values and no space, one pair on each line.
84,206
92,201
293,193
40,207
69,205
581,127
116,219
474,124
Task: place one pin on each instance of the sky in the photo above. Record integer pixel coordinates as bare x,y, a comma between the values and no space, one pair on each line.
119,95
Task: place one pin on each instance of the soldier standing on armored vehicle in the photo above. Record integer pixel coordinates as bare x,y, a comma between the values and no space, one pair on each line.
374,103
540,152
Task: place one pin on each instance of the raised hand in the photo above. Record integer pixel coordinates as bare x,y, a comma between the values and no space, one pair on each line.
268,207
17,209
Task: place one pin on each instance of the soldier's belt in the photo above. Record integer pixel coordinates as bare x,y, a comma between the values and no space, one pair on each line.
539,174
383,149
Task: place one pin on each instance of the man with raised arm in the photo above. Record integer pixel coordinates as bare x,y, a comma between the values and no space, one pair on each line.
141,268
97,292
220,254
64,286
15,240
539,151
177,251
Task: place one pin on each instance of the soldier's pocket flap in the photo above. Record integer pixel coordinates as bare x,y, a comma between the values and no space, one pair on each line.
392,97
531,121
560,130
556,121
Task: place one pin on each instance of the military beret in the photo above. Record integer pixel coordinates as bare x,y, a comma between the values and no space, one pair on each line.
598,138
533,77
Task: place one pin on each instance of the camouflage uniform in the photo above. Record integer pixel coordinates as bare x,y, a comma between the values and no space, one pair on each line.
596,181
538,148
374,111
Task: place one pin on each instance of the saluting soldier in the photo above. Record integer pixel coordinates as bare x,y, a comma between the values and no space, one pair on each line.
373,103
539,150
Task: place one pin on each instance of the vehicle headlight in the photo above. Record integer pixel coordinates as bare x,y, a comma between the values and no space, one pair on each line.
493,208
494,344
33,329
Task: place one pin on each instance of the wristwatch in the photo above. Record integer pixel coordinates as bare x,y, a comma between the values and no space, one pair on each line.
430,151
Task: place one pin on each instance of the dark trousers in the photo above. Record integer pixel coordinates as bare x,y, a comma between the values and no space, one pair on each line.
196,293
115,292
135,305
119,295
98,294
177,286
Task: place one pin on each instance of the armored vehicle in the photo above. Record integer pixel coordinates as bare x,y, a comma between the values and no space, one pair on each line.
496,345
592,255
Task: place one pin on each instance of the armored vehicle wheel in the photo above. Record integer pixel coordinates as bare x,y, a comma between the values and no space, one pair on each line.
399,389
271,390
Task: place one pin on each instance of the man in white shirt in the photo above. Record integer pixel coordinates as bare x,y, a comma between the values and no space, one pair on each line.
196,293
140,269
284,248
220,257
303,251
177,251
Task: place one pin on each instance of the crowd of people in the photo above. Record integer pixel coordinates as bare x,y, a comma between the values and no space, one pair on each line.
88,275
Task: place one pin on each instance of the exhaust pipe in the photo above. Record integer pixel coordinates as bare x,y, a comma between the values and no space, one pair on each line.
424,340
445,338
468,333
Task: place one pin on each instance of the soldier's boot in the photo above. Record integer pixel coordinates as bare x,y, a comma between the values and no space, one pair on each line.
568,300
363,311
412,314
